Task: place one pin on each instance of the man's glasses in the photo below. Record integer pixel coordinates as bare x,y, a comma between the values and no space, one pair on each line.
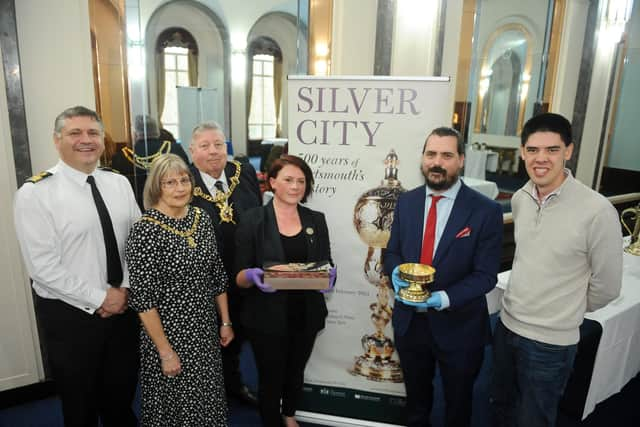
173,183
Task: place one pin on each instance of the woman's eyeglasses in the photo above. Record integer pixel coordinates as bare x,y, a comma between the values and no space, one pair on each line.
173,183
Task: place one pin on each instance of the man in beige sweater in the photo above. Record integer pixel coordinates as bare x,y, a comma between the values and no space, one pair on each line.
568,261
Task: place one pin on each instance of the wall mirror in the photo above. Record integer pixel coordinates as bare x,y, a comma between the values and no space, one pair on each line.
508,60
164,45
506,69
503,85
181,62
618,170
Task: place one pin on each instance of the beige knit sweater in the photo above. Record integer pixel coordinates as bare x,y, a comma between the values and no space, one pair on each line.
568,260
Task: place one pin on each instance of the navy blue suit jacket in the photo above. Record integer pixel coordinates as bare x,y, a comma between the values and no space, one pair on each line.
466,267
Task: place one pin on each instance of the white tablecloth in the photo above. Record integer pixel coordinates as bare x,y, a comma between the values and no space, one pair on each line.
476,162
488,188
618,357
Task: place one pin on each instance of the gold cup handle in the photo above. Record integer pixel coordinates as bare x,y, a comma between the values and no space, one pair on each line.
636,229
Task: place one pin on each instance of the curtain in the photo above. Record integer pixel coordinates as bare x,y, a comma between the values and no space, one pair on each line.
160,81
249,87
193,67
179,37
277,92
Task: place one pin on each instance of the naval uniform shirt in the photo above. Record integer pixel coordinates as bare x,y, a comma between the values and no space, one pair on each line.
61,238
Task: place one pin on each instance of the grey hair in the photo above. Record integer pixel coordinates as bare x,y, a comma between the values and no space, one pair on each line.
146,127
77,111
205,126
159,168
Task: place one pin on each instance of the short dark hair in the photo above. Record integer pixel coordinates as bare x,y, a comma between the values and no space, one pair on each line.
77,111
446,131
146,127
547,122
287,159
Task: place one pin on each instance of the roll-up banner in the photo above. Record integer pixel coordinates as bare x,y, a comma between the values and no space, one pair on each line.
363,138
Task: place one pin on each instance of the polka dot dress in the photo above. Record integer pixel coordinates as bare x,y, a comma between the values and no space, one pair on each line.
181,282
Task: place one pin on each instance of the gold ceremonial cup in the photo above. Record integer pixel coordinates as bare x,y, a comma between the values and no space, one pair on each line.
634,213
418,276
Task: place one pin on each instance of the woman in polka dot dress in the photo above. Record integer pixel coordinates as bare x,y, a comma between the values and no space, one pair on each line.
177,284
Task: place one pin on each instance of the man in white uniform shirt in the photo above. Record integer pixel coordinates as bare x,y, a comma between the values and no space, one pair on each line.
80,280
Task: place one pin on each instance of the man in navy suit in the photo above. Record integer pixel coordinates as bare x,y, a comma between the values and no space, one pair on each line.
452,326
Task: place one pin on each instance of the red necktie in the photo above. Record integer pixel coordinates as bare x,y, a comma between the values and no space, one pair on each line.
426,256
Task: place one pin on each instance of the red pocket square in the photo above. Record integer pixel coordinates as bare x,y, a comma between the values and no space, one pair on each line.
465,232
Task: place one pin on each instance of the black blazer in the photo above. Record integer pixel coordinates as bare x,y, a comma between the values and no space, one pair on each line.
257,241
245,196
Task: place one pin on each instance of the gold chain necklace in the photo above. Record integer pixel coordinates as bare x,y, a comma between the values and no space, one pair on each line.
144,162
221,198
186,234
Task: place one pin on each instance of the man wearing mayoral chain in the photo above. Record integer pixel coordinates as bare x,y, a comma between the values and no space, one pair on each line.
225,189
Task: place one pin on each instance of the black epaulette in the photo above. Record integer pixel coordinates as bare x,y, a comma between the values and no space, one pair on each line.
108,169
39,177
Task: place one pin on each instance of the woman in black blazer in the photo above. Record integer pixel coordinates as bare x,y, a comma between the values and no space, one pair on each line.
282,325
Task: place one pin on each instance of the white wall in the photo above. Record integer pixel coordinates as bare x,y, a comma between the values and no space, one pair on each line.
451,48
238,15
56,70
56,67
20,362
414,37
353,46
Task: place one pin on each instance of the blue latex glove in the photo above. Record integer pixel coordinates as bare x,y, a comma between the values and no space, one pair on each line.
434,301
255,275
332,280
397,281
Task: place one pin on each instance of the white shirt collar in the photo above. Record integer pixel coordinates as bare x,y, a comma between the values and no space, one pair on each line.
210,181
73,174
450,193
556,192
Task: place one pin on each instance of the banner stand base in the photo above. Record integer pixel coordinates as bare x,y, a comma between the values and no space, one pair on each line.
335,421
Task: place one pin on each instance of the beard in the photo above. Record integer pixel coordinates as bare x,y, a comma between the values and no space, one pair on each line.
445,181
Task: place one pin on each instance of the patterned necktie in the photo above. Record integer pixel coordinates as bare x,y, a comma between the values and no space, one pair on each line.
426,256
114,267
